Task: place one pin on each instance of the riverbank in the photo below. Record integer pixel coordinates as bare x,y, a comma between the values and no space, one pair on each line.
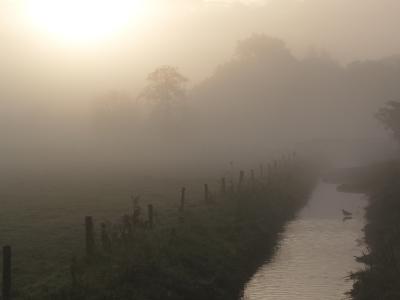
207,252
380,279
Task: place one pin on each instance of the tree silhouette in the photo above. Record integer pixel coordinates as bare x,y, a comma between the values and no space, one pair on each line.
166,91
260,46
390,117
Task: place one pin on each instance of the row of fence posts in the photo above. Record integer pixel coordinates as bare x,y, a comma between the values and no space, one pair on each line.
106,243
105,240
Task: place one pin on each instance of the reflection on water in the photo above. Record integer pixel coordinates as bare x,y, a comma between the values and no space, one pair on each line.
316,252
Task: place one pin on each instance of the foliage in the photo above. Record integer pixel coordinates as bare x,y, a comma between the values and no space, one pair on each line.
390,117
165,90
260,46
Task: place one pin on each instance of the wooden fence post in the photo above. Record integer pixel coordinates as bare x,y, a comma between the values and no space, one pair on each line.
6,291
150,213
253,179
182,206
105,239
223,186
89,236
232,187
73,270
206,194
241,179
183,193
136,213
127,225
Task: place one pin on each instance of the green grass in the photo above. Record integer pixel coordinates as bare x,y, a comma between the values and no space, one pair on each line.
209,256
42,216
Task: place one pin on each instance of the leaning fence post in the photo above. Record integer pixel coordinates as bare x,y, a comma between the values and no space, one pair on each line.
241,179
150,212
89,236
206,193
6,291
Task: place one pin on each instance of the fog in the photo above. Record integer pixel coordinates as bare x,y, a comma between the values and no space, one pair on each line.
199,149
262,77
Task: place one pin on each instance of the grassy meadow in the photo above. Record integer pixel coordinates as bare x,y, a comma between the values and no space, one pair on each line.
42,216
213,252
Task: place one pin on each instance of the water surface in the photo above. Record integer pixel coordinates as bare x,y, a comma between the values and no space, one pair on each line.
316,252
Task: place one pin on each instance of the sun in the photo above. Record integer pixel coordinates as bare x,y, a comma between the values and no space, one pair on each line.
83,21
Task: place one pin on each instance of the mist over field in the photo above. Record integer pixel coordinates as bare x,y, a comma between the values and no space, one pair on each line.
260,99
255,114
270,75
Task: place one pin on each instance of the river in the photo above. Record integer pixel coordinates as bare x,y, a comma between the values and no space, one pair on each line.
316,251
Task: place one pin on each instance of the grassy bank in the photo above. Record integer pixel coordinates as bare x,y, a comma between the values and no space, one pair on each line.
380,278
203,251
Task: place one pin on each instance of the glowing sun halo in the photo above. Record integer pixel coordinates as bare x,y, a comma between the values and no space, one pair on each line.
77,21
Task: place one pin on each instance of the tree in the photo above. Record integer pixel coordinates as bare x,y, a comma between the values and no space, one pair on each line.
260,46
166,92
390,117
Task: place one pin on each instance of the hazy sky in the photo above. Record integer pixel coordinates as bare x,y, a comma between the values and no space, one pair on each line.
194,35
60,55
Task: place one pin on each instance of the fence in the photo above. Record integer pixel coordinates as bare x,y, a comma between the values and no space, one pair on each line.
275,174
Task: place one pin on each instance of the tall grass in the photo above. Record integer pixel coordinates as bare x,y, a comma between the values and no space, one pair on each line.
206,251
380,279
